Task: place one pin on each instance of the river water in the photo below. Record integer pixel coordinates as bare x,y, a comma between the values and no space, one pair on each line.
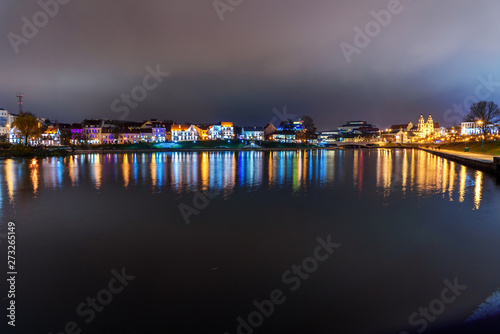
203,235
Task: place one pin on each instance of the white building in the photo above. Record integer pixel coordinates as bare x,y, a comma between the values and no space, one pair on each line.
4,122
472,128
252,133
224,130
184,132
135,136
158,131
51,137
15,137
402,137
324,135
284,136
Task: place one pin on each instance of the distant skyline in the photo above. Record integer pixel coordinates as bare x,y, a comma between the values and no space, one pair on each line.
311,57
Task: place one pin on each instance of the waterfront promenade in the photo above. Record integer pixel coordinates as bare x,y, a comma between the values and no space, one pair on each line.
473,156
486,162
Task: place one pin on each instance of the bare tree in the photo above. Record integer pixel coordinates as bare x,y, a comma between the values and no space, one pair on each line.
309,127
483,113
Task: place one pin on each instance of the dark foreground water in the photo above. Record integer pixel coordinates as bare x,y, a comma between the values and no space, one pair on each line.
406,222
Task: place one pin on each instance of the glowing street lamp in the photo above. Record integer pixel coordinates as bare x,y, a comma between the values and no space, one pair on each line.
480,123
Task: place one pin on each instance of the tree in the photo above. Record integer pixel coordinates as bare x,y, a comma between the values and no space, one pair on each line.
287,125
309,127
66,137
483,113
116,134
28,126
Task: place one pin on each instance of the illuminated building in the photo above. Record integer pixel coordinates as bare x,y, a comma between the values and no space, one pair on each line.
51,136
472,128
4,122
351,138
184,132
158,130
202,131
429,128
252,133
223,130
76,133
269,129
92,131
358,127
284,136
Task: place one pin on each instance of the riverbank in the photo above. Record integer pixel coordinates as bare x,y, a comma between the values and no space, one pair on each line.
491,148
485,162
19,151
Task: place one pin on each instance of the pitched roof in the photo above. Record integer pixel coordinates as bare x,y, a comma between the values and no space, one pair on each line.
399,126
51,130
270,125
180,127
94,122
253,128
64,125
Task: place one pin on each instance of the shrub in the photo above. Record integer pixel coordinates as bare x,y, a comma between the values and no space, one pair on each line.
21,151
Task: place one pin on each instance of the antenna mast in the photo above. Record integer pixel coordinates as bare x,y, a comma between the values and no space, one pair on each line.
20,97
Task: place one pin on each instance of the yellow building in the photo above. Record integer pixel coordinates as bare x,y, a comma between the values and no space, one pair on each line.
426,129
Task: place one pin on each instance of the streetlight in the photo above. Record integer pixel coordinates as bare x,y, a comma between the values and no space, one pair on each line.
454,137
482,135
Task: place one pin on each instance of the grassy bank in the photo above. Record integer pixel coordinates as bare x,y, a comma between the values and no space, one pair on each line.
398,145
19,151
490,147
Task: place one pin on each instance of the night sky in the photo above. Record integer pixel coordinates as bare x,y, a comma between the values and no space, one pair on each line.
263,55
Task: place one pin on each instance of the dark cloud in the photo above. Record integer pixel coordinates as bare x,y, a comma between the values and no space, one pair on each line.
264,54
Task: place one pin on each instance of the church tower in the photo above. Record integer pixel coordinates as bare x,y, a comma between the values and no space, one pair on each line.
421,124
430,125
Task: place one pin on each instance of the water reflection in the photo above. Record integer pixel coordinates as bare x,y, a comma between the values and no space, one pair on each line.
392,173
423,173
478,189
72,165
10,178
34,175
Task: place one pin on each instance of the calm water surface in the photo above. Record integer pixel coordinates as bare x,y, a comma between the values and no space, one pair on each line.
406,221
